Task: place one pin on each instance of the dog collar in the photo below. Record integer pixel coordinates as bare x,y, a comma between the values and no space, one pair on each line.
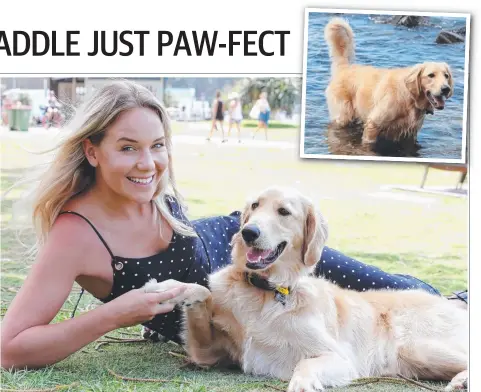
280,292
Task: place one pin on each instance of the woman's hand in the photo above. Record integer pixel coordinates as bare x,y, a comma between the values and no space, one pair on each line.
137,306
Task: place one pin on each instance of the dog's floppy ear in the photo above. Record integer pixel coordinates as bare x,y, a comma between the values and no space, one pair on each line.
315,235
413,81
450,80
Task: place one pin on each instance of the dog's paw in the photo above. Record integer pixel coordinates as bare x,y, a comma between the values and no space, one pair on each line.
300,383
195,294
338,123
152,286
459,382
150,334
366,140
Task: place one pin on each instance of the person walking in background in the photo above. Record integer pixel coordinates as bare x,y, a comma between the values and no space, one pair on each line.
235,115
262,106
217,116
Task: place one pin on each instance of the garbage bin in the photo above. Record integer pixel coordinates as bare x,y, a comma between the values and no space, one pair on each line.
23,118
12,119
19,118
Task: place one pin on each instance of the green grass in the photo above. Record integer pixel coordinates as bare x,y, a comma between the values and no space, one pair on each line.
277,131
248,123
272,124
400,232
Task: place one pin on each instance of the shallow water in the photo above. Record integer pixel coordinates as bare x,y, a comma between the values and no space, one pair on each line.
385,45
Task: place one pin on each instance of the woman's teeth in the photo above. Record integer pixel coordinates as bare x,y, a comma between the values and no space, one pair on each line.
141,180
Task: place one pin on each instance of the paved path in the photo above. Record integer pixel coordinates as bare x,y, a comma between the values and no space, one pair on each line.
38,132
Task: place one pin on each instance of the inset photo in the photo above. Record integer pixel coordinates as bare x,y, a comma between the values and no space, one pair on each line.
388,85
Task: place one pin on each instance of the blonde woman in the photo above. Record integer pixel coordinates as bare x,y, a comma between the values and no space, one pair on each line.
109,217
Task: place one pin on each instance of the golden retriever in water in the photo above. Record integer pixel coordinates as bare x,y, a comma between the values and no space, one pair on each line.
391,102
267,314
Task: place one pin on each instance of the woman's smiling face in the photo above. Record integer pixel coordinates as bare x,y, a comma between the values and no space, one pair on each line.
132,157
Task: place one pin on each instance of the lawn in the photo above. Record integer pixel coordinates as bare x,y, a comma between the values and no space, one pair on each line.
419,234
277,131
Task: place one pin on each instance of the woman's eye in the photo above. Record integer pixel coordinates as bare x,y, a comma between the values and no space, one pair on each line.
254,205
127,148
283,212
159,145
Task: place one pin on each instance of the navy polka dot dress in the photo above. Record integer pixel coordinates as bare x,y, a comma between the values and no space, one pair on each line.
192,259
353,274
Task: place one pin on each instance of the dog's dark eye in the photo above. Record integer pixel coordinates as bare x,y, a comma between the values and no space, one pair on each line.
254,205
431,75
446,75
283,212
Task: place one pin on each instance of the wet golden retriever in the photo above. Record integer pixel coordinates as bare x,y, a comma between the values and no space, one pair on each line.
391,102
267,314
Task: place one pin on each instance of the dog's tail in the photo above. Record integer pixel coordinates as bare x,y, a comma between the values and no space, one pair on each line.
340,39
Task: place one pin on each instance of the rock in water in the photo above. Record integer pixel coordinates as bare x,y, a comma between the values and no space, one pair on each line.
461,31
449,37
407,20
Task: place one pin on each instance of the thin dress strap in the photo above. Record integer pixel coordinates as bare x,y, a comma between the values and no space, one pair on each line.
93,227
103,242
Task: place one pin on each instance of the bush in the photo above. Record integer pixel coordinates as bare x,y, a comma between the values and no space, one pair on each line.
25,99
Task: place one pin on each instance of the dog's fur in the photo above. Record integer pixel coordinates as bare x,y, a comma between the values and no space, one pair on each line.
391,102
324,335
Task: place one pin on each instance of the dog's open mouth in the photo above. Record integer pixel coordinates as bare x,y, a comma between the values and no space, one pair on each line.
437,101
261,258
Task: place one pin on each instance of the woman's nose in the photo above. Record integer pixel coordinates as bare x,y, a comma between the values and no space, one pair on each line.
146,161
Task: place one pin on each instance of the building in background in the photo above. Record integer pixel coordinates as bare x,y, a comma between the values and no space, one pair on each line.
155,85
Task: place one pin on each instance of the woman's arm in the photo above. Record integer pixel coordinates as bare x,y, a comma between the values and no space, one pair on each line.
28,340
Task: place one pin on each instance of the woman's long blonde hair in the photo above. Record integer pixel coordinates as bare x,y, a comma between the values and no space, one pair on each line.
70,173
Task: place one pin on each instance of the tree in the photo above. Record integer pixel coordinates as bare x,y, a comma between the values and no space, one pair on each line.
282,93
169,99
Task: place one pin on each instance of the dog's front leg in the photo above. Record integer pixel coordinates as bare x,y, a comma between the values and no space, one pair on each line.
371,132
315,374
203,342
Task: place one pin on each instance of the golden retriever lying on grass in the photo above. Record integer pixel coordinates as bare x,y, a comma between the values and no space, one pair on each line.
391,102
265,313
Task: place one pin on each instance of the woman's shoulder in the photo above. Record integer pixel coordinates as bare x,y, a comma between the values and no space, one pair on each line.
74,229
73,244
75,223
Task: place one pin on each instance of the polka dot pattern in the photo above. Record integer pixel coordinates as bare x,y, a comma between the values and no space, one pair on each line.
352,274
187,259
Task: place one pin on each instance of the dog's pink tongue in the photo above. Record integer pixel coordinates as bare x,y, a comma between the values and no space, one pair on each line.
255,255
439,101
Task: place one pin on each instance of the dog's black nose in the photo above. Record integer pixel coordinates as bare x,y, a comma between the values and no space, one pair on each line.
250,233
445,90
